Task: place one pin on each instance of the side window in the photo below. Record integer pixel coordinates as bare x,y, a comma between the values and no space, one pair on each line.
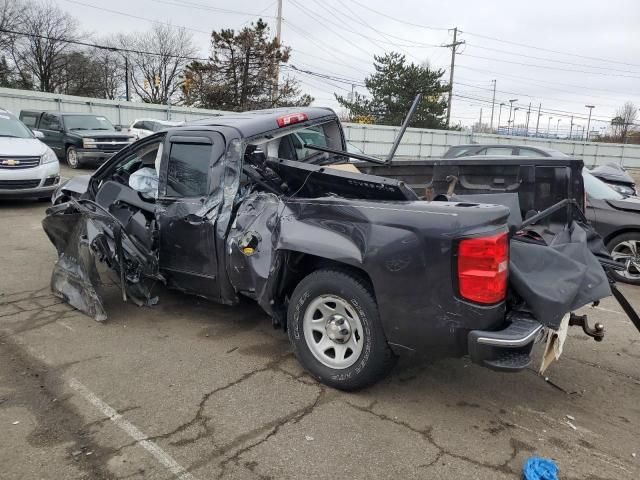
527,152
188,169
30,120
138,125
50,122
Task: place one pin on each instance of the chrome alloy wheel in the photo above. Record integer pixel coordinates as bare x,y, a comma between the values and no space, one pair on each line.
333,331
628,252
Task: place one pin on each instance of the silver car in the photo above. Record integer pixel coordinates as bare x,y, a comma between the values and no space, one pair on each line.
28,168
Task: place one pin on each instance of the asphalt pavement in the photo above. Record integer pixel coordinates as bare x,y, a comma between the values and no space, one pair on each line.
194,390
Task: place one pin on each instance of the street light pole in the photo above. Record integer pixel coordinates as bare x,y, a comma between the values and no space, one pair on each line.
513,122
499,115
510,107
549,126
590,107
493,103
558,126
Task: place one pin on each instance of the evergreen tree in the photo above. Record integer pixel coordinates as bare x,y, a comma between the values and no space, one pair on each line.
392,89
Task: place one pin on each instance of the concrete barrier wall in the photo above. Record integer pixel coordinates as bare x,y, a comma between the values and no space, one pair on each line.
119,112
422,143
372,139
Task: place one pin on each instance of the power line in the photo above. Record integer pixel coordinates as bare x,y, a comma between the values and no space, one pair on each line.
552,111
548,67
319,18
333,52
529,96
200,6
398,19
546,59
101,47
543,83
535,47
340,14
137,17
361,21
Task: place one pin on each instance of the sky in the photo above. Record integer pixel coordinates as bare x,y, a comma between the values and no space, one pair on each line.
562,54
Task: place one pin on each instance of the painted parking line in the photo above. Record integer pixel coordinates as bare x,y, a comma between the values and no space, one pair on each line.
134,432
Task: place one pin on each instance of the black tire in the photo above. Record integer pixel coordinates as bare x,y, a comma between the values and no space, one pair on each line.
375,358
616,244
72,157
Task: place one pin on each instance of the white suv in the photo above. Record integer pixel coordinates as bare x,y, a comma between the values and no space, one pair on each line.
28,168
146,126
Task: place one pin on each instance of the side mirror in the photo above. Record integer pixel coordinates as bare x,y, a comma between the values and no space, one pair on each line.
38,134
118,128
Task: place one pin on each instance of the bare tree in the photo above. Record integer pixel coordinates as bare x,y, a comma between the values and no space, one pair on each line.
111,65
10,14
156,71
624,121
40,54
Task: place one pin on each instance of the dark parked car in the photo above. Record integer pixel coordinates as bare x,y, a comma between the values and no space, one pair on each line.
355,267
78,138
616,177
474,149
616,218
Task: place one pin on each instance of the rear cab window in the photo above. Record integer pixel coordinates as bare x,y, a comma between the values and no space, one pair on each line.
528,152
496,151
291,146
30,119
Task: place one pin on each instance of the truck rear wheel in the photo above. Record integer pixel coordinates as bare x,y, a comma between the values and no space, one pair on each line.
335,330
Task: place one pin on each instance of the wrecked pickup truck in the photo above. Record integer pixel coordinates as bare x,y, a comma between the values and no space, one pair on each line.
357,268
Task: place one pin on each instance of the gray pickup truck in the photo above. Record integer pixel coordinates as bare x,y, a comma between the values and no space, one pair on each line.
357,268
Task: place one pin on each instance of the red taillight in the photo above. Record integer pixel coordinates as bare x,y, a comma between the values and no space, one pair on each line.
287,120
483,268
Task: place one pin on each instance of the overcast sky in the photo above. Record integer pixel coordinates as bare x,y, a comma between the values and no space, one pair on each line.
598,45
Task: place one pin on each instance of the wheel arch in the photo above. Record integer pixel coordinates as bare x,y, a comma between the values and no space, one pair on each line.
296,265
621,231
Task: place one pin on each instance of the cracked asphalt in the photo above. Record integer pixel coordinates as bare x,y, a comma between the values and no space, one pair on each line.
217,391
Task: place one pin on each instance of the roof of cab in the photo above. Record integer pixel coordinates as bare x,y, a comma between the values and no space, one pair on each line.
255,122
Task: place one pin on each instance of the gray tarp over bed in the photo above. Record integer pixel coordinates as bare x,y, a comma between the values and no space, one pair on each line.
555,274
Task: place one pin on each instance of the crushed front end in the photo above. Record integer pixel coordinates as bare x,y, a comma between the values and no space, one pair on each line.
84,232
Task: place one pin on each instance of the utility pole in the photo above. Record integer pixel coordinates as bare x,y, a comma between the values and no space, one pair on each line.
453,47
493,103
590,107
549,126
274,94
126,77
480,121
571,129
510,107
558,127
538,122
526,133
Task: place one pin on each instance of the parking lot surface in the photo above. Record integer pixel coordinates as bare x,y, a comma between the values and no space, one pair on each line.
194,390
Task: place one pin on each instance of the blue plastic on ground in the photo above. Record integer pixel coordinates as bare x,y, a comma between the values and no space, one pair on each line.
538,468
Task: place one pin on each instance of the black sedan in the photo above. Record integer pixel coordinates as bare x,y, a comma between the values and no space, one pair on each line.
616,218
